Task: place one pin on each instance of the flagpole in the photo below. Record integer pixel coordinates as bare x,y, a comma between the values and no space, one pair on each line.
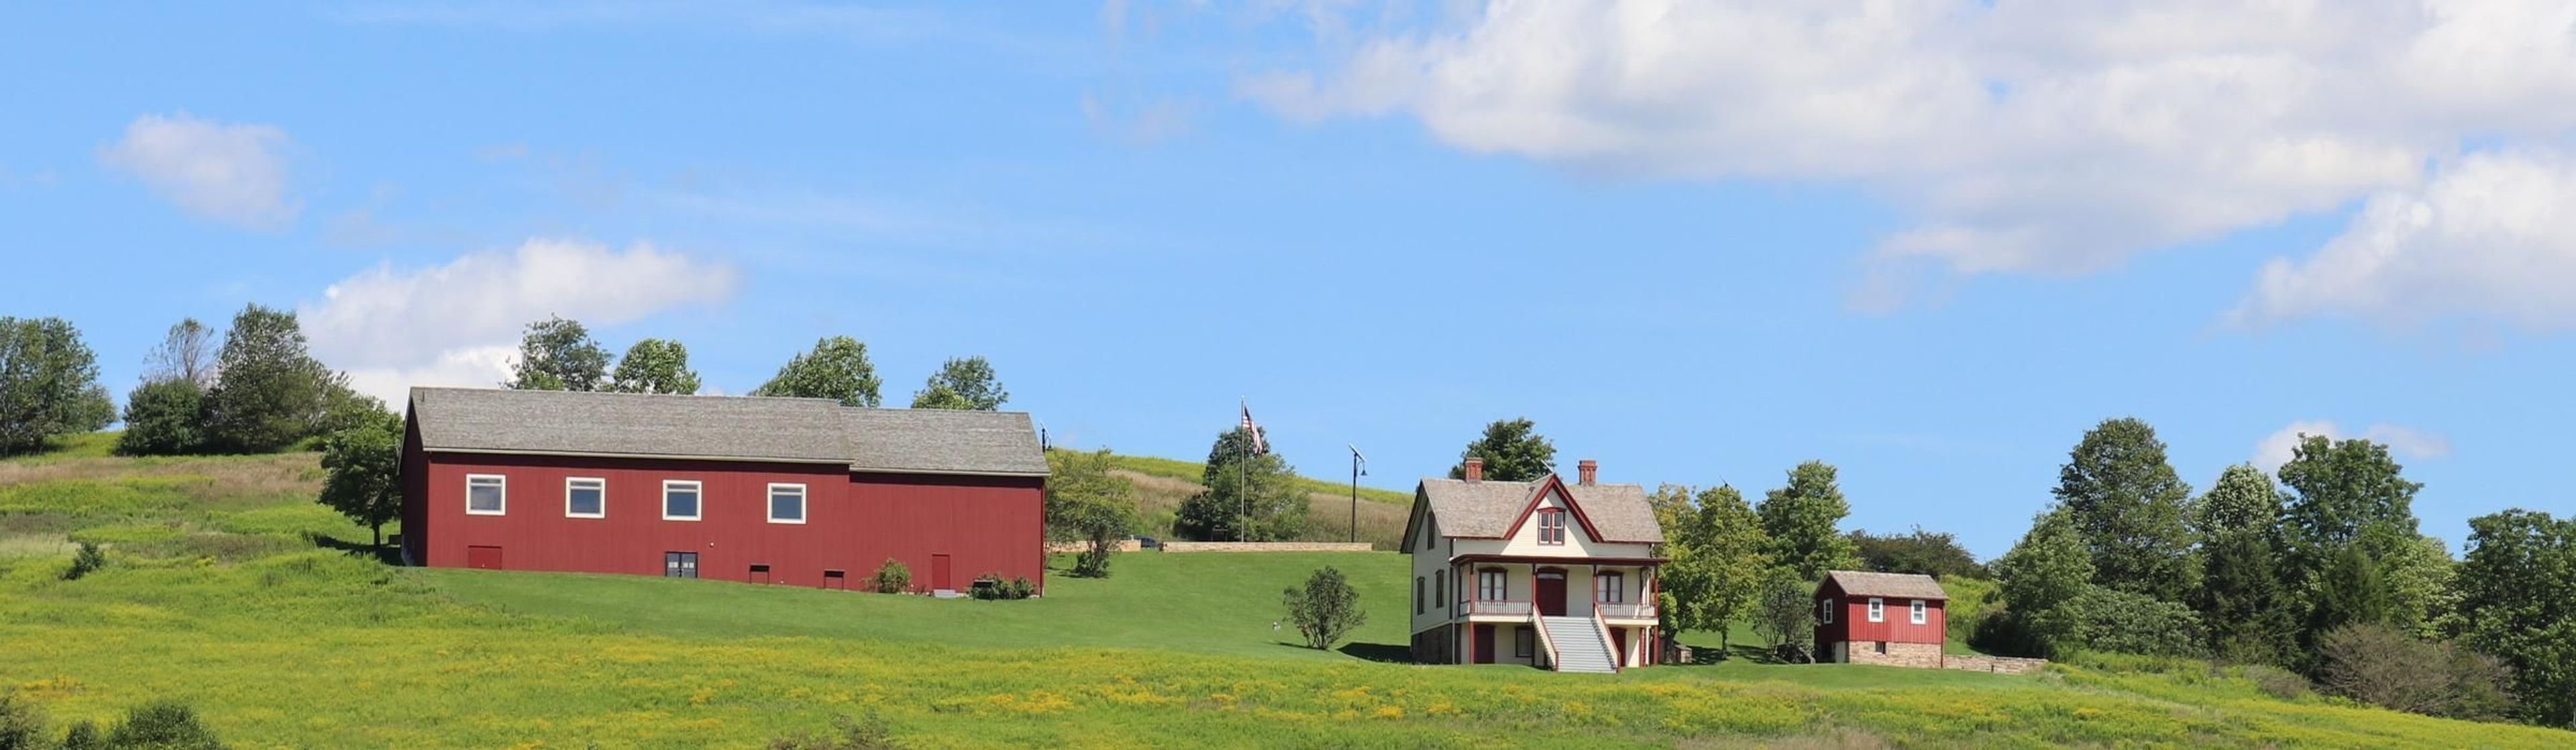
1243,477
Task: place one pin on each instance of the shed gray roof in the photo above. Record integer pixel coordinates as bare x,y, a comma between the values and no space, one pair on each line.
1889,585
741,428
1486,509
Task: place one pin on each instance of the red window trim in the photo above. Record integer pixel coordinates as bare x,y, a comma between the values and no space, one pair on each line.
1551,526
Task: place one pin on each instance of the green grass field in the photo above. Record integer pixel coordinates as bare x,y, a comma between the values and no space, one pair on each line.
227,589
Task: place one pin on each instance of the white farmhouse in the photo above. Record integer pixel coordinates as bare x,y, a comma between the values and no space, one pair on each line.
1543,573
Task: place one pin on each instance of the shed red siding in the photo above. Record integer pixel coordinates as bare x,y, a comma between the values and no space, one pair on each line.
1851,621
854,522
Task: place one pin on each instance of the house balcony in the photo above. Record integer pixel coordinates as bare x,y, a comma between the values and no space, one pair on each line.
1626,612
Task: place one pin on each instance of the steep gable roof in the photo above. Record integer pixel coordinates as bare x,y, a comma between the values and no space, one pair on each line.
731,428
1489,509
1886,585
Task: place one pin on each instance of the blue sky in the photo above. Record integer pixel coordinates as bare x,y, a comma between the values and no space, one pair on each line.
1929,245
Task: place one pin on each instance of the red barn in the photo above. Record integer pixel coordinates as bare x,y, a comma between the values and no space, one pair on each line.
793,491
1880,618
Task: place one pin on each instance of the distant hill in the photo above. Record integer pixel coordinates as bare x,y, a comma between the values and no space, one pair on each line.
1162,483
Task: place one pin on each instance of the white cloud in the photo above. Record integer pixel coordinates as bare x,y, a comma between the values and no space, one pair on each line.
2406,442
233,173
459,324
2015,137
2491,236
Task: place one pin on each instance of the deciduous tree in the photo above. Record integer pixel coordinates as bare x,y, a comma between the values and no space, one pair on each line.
2517,601
962,383
1799,519
2126,504
1513,452
2042,577
48,384
1932,553
1716,564
1785,615
836,368
1261,502
1325,609
558,354
269,392
362,466
187,353
2241,597
655,366
161,419
1086,503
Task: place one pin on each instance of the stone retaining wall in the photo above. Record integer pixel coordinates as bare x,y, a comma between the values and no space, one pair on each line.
1922,655
1995,664
1266,547
1123,545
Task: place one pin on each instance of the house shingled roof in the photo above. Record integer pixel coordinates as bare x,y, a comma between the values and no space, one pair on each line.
1887,585
1486,508
737,428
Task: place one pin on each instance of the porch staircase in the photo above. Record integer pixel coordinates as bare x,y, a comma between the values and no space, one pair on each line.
1580,645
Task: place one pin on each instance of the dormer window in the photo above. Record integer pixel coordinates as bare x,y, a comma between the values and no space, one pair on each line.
1551,526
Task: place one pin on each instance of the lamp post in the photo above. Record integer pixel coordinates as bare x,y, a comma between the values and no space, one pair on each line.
1359,468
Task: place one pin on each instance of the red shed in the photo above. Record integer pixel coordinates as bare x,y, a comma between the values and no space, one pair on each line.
1880,618
792,491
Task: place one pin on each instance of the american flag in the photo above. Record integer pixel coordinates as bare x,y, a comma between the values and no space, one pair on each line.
1260,447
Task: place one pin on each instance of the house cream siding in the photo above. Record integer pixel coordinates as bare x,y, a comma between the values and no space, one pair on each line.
1428,561
1578,543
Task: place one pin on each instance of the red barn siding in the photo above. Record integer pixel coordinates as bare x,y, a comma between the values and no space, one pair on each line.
854,522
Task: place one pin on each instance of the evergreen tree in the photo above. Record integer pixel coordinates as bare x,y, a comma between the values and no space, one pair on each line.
2241,598
2126,503
1799,520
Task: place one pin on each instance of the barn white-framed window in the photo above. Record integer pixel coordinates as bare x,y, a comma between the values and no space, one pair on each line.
682,499
787,503
1877,609
1825,611
487,494
585,497
1551,526
1919,615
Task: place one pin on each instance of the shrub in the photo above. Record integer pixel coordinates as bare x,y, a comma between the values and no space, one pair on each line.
88,560
83,736
892,577
2383,666
1326,609
161,419
163,725
992,586
2277,682
1784,616
1021,588
863,733
22,725
2108,619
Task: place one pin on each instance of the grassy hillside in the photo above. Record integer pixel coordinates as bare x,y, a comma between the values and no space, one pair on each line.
1162,483
228,588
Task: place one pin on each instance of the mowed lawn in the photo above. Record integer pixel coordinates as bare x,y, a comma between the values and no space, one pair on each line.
227,589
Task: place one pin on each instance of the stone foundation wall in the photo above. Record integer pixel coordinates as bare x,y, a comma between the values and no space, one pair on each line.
1995,664
1266,547
1920,655
1123,545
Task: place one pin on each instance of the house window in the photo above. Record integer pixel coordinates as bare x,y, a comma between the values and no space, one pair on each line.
1417,596
1918,612
1825,611
1491,586
585,497
1439,585
679,565
1524,642
1877,609
680,499
486,494
1551,526
787,503
1610,588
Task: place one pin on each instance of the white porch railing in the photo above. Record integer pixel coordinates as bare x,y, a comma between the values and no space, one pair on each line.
1625,611
1495,607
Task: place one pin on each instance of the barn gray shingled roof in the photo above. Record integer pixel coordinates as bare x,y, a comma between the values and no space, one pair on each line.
746,428
1487,508
1887,585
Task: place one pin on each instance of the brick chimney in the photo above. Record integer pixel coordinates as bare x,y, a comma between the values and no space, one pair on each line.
1585,470
1475,471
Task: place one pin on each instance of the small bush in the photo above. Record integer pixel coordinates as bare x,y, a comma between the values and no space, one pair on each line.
2277,682
83,736
892,577
2383,666
992,586
22,725
163,725
863,733
88,560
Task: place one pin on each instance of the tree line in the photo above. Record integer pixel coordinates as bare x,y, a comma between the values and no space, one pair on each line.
559,354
